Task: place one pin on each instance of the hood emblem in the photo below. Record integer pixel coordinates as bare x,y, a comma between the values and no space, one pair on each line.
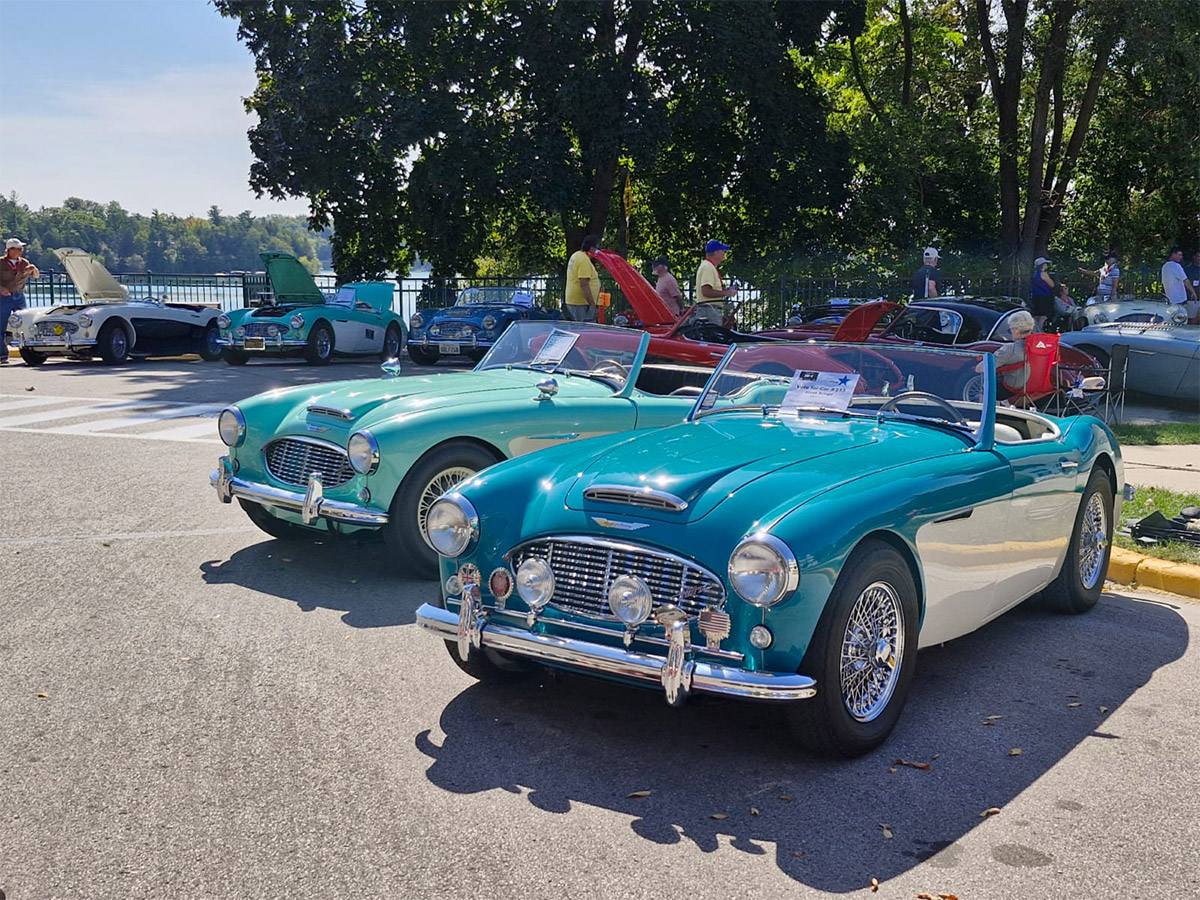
619,526
318,429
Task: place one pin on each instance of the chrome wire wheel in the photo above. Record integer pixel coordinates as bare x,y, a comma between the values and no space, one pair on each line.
442,482
118,343
1093,541
872,651
324,345
391,343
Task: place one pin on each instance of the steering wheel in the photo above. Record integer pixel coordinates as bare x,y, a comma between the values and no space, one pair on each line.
891,403
610,368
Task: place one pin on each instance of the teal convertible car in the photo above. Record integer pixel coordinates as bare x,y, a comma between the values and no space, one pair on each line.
360,456
822,512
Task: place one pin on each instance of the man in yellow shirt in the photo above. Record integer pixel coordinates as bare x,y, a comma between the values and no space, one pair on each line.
711,292
583,283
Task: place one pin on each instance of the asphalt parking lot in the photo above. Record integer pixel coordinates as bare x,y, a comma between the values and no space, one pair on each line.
190,709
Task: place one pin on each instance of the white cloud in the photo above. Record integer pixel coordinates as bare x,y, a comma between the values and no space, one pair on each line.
175,141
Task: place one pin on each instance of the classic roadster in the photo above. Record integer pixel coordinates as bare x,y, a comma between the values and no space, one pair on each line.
299,319
106,323
470,327
361,456
822,513
1164,360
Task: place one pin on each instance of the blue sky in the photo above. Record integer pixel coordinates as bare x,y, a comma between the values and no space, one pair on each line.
138,101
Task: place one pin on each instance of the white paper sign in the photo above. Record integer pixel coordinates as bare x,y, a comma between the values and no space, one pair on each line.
556,348
819,390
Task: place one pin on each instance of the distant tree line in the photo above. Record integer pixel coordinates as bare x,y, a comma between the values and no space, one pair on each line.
130,242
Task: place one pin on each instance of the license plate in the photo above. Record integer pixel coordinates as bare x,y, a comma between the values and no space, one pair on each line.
449,349
256,343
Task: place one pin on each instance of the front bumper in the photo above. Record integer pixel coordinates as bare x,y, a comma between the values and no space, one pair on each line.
311,505
467,343
268,344
64,344
472,629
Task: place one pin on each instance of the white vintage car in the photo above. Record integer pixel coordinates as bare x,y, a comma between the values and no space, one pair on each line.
106,323
1146,310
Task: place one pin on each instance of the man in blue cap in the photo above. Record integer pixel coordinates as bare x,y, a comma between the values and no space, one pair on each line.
711,292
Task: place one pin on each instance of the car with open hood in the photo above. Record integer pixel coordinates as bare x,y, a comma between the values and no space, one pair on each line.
105,322
822,513
472,325
296,318
356,457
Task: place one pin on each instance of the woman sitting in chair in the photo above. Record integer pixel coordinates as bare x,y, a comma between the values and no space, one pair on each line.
1010,357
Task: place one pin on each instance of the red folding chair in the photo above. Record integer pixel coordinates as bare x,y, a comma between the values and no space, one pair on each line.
1041,360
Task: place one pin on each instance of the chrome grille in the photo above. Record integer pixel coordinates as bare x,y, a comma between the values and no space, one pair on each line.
259,329
585,567
292,460
452,330
46,329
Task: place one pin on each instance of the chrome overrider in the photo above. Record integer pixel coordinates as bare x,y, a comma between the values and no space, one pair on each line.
677,673
312,504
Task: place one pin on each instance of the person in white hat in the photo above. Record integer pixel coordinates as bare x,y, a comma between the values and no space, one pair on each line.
927,280
13,272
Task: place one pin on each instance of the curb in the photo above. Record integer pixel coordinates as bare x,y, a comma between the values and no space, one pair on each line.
1130,567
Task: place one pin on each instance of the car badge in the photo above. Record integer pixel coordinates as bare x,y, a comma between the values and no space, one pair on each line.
619,526
317,429
715,626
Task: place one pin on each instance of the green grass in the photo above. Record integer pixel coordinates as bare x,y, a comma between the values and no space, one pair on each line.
1169,503
1160,433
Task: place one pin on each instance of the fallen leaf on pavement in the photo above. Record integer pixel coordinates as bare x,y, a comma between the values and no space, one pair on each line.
719,816
798,853
935,756
354,581
874,885
914,765
284,559
1015,751
1104,709
1073,705
31,388
990,811
41,696
637,795
887,834
893,770
753,811
787,799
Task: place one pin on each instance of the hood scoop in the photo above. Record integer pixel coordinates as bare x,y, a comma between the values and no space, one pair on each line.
331,411
643,497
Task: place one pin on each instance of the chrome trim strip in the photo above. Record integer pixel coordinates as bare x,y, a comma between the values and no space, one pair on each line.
662,498
614,661
65,345
293,501
273,345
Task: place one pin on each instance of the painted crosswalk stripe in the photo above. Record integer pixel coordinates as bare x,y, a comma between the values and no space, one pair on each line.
180,412
33,403
205,429
72,412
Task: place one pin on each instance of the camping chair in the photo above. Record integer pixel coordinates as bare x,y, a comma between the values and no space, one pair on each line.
1113,393
1040,365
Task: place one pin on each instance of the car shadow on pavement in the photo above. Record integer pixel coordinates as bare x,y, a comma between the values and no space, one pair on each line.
726,773
352,577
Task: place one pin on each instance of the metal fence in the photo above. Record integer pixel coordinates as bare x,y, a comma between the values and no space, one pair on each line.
764,305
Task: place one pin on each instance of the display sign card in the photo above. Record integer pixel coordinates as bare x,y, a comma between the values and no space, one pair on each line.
819,390
556,348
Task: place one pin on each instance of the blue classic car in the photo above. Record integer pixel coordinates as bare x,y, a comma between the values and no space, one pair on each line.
297,319
473,324
822,512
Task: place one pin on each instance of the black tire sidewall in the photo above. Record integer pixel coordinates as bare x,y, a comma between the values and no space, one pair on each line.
384,355
235,357
311,353
104,343
32,357
275,527
206,345
1067,593
422,356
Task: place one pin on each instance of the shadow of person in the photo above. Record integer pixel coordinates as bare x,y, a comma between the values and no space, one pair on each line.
727,773
337,574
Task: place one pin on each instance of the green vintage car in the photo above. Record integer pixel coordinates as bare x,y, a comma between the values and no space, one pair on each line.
373,455
296,319
823,512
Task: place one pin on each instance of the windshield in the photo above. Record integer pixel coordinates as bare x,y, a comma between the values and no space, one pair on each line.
793,379
493,295
611,355
930,326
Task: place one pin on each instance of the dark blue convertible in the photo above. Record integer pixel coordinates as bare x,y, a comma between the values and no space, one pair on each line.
471,326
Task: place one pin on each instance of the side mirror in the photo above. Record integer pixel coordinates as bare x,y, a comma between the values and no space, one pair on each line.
391,368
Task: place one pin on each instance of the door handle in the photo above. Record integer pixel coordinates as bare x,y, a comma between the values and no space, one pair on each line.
1068,465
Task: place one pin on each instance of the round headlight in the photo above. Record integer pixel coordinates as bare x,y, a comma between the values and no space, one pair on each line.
84,320
223,321
435,329
1100,318
416,321
231,425
535,582
762,570
14,321
240,331
489,322
451,524
363,450
630,600
296,321
272,331
1178,317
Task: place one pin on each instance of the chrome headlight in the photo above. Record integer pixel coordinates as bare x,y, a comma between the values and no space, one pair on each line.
14,321
363,451
630,599
451,525
435,329
416,321
296,321
1100,318
240,331
231,425
223,321
84,320
489,322
762,570
1179,317
535,582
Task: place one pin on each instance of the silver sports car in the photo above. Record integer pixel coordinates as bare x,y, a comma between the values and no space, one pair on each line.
1164,360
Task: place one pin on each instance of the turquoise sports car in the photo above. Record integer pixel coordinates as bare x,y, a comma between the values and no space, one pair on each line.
822,512
297,319
360,456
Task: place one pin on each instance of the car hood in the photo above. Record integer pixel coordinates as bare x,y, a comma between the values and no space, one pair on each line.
91,279
723,459
290,281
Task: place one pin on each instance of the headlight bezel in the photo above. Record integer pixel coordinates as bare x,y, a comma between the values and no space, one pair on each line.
223,322
14,320
296,322
536,601
642,611
1179,316
416,322
467,530
356,456
239,425
84,320
1100,318
785,585
489,318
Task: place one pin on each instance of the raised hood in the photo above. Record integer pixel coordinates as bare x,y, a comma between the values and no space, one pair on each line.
716,460
291,282
641,296
94,282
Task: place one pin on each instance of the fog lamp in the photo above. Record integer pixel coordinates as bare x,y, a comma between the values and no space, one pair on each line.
630,600
761,637
535,582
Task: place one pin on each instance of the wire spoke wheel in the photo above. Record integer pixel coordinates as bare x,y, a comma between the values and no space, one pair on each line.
443,481
872,651
1093,541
